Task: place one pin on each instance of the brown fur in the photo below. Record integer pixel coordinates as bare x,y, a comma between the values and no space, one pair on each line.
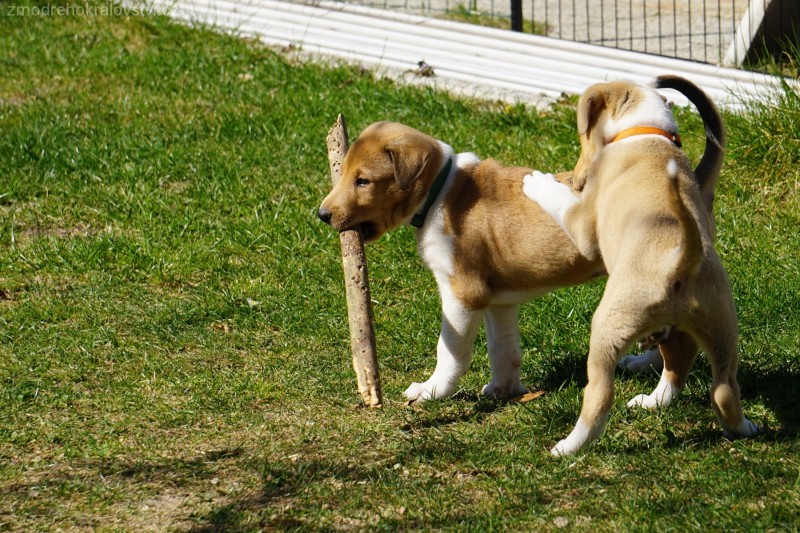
504,242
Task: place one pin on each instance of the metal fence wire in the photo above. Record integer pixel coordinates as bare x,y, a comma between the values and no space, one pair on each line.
710,31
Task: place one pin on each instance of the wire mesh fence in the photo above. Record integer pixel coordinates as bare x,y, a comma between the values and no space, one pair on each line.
710,31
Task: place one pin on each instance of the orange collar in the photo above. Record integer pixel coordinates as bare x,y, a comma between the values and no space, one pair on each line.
648,130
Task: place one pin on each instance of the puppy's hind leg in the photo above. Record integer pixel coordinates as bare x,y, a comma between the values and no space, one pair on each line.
613,332
505,353
721,348
678,351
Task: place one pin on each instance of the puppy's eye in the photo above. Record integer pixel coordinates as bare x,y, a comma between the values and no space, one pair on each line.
362,182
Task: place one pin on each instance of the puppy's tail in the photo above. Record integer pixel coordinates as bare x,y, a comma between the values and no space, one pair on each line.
707,171
691,248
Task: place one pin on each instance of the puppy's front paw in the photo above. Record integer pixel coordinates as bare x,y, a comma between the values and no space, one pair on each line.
505,391
581,436
563,448
553,197
645,401
533,184
419,392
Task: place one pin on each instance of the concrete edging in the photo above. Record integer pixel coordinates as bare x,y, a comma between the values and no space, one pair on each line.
469,60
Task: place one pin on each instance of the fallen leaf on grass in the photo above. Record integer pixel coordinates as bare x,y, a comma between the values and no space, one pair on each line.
528,396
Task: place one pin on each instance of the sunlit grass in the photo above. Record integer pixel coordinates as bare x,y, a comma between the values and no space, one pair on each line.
173,346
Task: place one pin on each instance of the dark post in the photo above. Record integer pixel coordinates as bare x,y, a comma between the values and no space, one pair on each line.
516,15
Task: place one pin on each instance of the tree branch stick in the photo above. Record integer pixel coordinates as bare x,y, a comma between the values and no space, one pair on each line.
359,306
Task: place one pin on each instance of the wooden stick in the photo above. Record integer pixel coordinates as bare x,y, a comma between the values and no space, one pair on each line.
359,306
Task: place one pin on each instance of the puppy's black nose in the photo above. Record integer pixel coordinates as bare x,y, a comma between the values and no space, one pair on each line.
324,215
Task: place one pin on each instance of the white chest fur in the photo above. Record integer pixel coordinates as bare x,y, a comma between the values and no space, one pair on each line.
435,247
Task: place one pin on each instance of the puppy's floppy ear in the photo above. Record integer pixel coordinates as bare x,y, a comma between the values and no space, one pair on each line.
407,161
592,102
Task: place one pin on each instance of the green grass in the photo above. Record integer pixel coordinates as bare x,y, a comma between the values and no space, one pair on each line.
173,346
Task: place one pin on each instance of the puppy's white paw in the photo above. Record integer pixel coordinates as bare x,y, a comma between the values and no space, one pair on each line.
419,392
563,448
553,197
645,401
581,436
534,184
649,361
505,391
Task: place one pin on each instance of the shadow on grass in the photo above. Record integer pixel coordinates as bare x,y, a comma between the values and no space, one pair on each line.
461,407
291,500
199,464
284,502
778,389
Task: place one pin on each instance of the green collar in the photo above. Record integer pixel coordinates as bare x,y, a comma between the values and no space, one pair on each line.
436,188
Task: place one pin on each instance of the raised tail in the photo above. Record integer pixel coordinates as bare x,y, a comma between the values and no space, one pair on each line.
707,171
691,250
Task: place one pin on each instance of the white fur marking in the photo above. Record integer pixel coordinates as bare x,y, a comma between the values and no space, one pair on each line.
435,248
454,349
505,352
459,325
672,168
653,111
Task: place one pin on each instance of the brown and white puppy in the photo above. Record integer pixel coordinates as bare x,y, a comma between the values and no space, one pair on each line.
488,246
643,214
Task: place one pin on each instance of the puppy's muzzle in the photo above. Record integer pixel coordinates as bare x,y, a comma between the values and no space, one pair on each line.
325,215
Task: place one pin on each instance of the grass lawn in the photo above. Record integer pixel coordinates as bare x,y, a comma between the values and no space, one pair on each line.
173,346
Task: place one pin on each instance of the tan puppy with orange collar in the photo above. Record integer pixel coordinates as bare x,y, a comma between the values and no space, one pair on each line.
643,214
